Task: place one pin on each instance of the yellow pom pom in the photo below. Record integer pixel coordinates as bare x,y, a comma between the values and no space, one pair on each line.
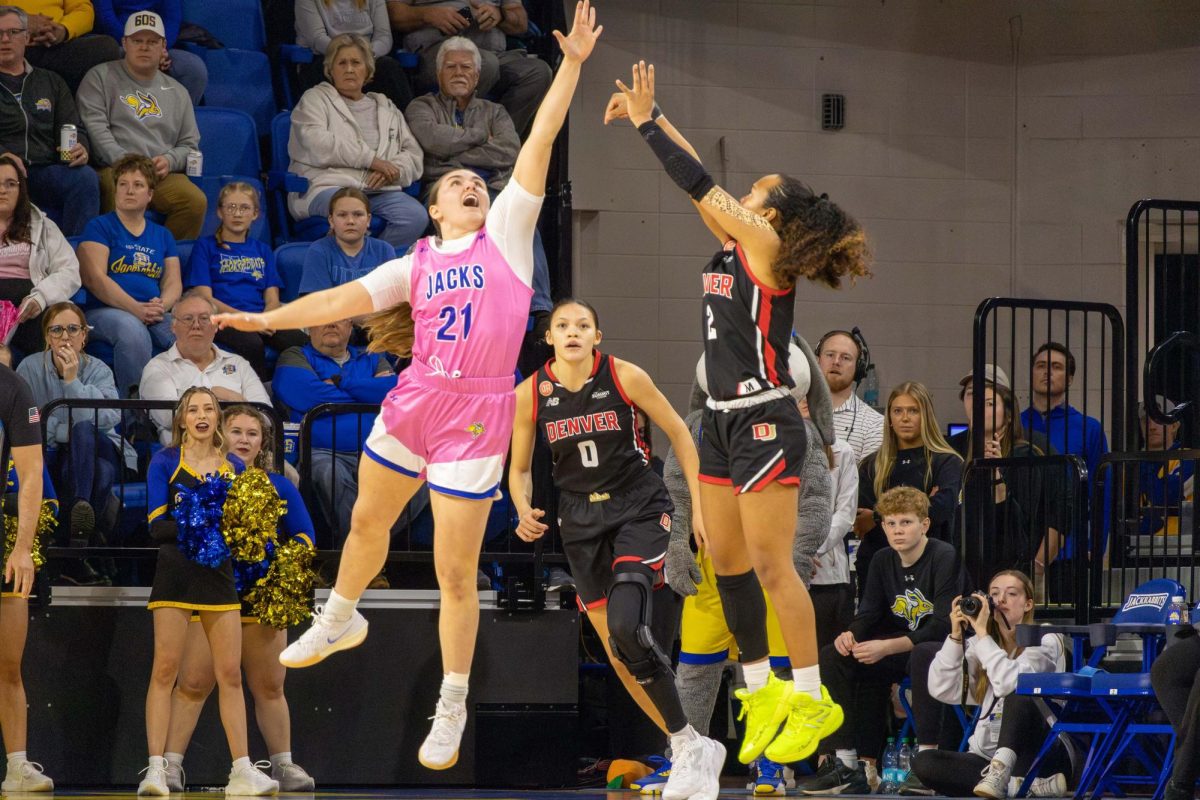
251,514
281,599
46,524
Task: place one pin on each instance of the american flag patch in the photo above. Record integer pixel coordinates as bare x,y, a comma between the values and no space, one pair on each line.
34,415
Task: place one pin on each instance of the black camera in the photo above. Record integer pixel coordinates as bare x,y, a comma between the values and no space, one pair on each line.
972,604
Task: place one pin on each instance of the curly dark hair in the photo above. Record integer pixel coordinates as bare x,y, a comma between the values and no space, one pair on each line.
820,241
20,226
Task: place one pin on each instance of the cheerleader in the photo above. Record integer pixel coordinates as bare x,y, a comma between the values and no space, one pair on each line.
183,587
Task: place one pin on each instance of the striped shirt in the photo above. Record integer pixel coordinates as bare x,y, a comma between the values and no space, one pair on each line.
859,425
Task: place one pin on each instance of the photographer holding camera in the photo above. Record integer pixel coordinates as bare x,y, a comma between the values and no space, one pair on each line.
983,671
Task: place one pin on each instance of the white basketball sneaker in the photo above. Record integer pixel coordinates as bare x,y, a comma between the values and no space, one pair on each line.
440,748
155,782
327,636
249,780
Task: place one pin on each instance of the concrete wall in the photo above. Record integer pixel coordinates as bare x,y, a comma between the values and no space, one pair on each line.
990,148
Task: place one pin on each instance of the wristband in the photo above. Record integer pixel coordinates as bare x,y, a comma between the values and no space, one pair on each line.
655,113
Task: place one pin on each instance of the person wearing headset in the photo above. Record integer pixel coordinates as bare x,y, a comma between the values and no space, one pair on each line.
844,358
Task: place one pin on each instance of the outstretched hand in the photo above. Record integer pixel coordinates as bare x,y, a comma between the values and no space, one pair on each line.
639,101
577,45
241,321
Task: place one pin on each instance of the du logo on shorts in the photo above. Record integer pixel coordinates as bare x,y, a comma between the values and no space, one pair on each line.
764,431
142,104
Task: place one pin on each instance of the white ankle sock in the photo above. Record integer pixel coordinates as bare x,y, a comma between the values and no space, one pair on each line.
848,757
454,687
242,763
175,759
16,758
279,759
921,748
157,761
757,674
1006,757
808,679
682,737
339,607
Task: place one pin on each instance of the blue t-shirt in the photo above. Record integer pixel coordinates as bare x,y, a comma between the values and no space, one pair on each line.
237,273
136,263
326,266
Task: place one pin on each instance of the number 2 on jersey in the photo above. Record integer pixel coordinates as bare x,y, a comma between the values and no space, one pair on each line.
588,454
712,331
449,315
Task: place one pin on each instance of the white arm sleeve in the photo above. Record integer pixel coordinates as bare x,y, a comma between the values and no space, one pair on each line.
390,283
511,223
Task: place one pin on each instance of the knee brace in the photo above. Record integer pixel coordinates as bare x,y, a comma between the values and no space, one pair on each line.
745,611
630,613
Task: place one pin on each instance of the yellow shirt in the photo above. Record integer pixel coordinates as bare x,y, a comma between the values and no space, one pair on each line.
77,16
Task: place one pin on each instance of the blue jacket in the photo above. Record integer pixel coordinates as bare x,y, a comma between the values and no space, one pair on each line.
1160,493
300,384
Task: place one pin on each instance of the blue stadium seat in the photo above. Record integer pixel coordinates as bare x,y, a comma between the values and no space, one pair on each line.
235,23
229,141
185,252
241,79
211,185
289,262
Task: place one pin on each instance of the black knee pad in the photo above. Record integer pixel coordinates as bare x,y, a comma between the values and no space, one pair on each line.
630,616
745,611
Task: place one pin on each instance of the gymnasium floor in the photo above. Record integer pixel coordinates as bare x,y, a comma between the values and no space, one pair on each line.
205,793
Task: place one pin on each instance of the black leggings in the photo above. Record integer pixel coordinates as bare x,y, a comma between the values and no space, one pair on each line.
1176,680
1023,730
862,691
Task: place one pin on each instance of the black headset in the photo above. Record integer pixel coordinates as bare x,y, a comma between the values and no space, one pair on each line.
864,352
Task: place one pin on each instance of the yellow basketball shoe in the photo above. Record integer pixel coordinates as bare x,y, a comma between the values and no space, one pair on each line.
809,721
764,711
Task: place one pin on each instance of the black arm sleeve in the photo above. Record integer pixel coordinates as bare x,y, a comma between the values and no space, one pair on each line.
688,173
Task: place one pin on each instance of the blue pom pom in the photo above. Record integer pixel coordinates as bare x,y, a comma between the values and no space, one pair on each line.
198,512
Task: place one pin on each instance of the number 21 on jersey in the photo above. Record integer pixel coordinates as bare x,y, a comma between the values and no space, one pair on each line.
456,323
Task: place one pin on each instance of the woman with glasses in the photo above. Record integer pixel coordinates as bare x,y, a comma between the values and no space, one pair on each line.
83,448
37,267
237,273
130,268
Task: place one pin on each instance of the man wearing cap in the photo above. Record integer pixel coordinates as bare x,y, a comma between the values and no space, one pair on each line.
1021,524
33,110
129,106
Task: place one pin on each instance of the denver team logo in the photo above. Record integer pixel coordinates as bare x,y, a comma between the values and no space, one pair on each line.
545,388
764,431
665,521
912,607
142,104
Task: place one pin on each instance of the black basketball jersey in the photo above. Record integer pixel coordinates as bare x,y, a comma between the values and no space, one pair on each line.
747,328
593,433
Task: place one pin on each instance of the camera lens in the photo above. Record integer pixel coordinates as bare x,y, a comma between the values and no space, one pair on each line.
970,605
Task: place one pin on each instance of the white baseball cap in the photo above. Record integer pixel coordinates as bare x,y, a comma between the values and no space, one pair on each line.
145,21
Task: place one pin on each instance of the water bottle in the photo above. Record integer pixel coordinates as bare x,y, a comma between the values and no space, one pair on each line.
870,393
905,758
891,767
1178,613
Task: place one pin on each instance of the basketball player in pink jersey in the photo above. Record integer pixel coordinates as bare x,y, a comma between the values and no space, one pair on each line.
459,302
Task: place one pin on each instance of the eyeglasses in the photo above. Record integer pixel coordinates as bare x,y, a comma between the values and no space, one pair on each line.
188,320
58,331
229,208
11,33
10,186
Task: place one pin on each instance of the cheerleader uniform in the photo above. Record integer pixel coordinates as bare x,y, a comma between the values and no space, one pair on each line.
180,582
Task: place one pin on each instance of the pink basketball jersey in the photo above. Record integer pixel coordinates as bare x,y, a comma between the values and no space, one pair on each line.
469,310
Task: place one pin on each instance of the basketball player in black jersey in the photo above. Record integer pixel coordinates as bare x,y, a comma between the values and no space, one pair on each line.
754,440
614,518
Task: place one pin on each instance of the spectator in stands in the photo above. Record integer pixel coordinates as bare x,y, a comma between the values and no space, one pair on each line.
1027,502
914,453
343,137
32,113
1176,680
459,130
237,273
518,80
129,107
347,253
61,39
907,601
1163,486
130,267
182,65
330,370
1068,431
318,21
195,361
856,423
85,449
1011,727
37,266
23,445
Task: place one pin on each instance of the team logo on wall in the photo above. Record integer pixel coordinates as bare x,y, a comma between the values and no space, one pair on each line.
142,104
545,388
764,431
